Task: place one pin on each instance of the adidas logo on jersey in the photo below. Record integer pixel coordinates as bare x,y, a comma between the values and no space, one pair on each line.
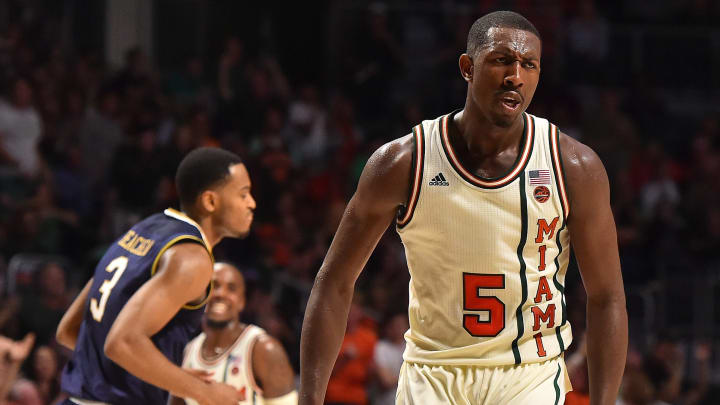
439,180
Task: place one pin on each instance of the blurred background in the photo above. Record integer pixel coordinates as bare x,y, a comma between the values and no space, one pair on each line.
102,98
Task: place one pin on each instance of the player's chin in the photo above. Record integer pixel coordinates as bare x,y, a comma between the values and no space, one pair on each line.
504,120
217,317
217,321
241,231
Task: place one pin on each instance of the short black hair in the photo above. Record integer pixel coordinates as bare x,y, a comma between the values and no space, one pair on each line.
477,37
200,170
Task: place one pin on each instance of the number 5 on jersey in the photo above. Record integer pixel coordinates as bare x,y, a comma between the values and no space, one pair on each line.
117,266
473,301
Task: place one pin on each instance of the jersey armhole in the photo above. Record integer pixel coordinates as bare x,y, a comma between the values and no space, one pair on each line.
558,169
249,365
185,239
417,170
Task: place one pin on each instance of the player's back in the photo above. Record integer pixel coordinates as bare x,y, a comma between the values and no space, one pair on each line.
126,266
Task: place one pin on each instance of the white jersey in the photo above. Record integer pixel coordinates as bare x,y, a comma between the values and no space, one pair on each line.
233,367
487,257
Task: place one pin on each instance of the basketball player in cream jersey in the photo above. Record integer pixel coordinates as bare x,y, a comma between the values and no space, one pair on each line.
488,201
240,355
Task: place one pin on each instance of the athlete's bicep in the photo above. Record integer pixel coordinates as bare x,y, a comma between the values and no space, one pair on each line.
183,274
271,368
591,223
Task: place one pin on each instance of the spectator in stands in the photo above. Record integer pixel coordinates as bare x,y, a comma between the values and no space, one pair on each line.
349,378
101,134
12,355
388,359
43,307
44,373
20,129
588,41
9,305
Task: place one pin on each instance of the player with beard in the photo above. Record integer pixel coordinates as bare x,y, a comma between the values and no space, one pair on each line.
239,354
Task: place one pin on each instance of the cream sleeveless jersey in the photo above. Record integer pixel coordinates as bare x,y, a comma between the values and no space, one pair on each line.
233,367
487,257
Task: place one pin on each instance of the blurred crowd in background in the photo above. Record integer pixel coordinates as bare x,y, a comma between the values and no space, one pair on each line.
87,149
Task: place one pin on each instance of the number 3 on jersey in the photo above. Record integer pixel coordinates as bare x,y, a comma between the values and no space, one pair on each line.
117,266
473,301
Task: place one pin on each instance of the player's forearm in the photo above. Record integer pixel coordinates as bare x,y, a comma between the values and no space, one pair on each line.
607,330
322,335
138,355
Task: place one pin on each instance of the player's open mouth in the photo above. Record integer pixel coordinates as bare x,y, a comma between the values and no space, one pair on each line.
510,103
218,307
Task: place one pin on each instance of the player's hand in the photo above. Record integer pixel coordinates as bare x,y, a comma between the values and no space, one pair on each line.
220,394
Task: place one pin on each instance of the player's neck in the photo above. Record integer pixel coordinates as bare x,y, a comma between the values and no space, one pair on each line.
219,340
481,137
211,233
206,224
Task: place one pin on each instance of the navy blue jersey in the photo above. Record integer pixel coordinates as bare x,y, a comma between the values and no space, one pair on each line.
125,267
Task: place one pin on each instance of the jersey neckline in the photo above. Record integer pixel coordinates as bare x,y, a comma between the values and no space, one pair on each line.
224,354
181,216
497,182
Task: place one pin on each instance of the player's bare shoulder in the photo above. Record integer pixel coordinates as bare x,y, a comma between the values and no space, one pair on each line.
268,349
388,172
271,366
584,171
578,157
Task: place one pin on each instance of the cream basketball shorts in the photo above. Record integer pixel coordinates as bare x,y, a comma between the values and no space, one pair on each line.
543,383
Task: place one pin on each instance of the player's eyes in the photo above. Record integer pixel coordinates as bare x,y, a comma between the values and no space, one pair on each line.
530,65
501,60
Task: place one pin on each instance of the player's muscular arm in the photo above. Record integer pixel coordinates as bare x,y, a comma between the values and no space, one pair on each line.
271,368
594,240
184,272
69,326
384,186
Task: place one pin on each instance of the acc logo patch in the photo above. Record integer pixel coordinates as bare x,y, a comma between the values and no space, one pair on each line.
235,370
541,194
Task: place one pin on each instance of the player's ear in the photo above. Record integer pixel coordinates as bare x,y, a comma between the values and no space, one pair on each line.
209,200
466,67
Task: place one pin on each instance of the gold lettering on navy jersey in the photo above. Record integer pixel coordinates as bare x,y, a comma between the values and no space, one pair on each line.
136,244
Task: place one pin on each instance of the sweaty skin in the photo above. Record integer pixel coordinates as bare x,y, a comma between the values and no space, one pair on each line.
502,78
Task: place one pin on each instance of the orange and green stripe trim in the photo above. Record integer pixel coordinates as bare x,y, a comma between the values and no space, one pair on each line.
518,167
419,136
558,168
